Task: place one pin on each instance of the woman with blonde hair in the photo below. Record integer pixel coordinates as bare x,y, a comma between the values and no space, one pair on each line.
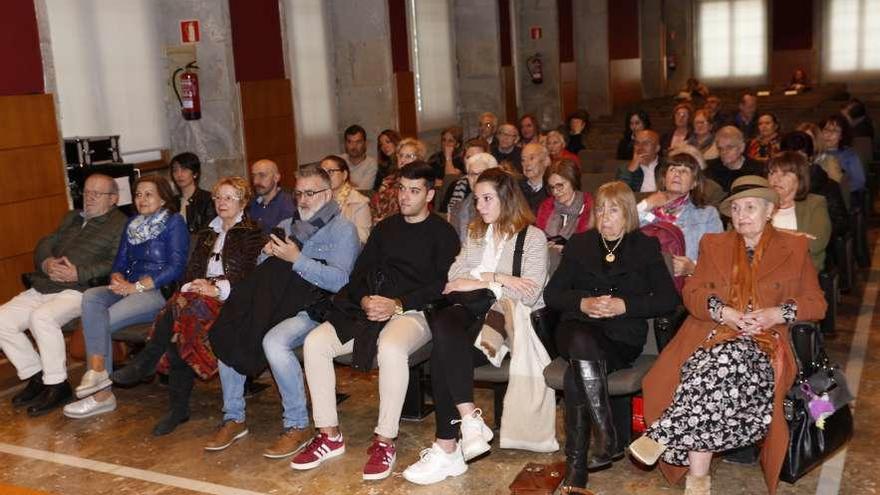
384,202
611,279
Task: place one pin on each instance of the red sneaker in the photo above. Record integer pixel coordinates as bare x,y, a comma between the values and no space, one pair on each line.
317,451
381,461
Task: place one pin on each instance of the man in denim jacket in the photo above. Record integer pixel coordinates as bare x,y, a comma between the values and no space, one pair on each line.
329,246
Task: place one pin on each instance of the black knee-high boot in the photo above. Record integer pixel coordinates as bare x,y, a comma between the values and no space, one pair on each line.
180,384
144,363
592,376
577,433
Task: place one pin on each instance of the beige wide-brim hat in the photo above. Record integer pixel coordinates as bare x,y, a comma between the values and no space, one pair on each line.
748,186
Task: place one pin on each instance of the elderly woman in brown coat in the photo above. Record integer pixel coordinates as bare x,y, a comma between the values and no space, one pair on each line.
720,383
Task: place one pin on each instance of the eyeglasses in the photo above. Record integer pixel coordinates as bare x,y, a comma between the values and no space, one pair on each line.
407,156
333,170
228,198
308,194
557,188
95,194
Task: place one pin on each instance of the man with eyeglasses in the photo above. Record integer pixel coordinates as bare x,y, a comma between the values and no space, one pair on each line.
362,167
68,261
640,174
379,316
506,149
731,163
313,251
271,204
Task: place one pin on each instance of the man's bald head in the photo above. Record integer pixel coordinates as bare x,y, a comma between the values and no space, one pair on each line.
265,178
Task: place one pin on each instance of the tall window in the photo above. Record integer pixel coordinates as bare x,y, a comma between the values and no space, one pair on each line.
310,58
731,39
433,62
853,36
110,72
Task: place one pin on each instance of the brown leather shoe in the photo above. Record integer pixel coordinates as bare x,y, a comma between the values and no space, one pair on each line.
288,443
228,433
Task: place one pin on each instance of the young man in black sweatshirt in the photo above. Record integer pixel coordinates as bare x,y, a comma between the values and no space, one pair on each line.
378,315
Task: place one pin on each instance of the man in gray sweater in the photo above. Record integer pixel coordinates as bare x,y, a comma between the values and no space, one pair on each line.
80,250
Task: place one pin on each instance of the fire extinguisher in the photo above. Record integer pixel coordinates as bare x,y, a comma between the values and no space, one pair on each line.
536,68
188,95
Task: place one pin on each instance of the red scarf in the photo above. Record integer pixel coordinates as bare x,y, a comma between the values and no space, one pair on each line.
670,211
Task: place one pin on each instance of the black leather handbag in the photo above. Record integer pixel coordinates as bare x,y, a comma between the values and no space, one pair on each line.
809,444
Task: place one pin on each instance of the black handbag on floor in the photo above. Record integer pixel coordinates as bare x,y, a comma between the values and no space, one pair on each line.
808,444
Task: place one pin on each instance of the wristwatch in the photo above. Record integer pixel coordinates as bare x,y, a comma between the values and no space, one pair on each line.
138,286
398,307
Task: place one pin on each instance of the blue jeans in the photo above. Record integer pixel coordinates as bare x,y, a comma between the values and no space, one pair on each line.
278,344
104,312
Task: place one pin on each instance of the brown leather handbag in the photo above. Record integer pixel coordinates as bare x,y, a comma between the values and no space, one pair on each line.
538,479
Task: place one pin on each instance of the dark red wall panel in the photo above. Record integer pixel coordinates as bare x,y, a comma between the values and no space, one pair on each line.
792,25
623,29
565,13
504,33
256,40
399,35
20,49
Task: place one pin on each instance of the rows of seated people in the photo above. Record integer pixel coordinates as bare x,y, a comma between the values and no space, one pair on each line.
361,258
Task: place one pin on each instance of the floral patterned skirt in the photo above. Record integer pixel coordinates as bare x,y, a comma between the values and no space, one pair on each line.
724,401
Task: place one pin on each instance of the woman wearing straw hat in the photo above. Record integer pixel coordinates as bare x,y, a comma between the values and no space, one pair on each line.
720,383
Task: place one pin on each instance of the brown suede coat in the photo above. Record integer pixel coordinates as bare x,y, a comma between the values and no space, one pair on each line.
785,272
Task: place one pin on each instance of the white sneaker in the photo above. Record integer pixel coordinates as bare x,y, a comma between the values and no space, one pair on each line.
89,407
435,465
475,435
92,382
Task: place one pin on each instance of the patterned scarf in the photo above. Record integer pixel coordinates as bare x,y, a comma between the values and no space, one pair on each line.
146,228
670,211
302,230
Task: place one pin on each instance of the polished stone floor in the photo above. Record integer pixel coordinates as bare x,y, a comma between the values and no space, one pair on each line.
115,453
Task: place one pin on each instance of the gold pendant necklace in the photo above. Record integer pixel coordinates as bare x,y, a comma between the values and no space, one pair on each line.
610,257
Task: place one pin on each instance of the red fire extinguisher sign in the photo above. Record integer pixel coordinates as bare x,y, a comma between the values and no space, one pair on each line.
189,31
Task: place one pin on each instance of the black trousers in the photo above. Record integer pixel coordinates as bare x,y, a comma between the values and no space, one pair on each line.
585,341
453,359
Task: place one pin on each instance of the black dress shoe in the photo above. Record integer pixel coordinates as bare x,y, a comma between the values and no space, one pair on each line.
52,397
30,392
167,424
